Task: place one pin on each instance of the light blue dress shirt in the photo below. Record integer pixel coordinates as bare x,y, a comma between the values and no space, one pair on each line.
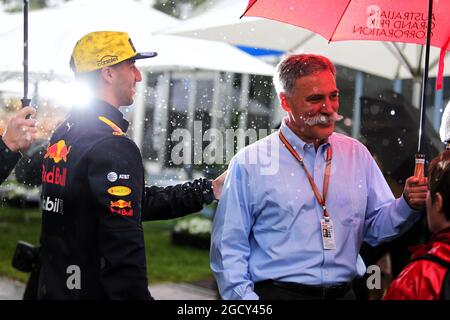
267,224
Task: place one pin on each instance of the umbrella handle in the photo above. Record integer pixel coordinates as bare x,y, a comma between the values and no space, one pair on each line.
419,168
25,102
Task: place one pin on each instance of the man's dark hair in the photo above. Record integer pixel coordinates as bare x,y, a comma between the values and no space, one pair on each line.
439,180
295,66
91,78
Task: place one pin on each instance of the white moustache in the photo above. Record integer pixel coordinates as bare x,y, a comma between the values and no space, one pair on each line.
323,119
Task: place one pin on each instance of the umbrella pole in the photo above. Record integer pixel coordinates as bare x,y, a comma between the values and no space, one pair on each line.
420,158
25,100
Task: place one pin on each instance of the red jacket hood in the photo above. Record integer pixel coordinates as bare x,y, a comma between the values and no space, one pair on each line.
439,245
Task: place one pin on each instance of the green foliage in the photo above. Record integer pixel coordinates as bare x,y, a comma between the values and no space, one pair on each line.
170,263
16,224
17,5
165,261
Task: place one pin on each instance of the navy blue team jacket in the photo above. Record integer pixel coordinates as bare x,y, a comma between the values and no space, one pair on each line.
93,202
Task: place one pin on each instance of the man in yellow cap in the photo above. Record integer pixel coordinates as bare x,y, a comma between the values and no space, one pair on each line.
93,193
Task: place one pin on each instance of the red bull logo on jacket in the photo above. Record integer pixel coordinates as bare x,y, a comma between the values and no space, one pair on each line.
121,204
54,176
121,207
58,151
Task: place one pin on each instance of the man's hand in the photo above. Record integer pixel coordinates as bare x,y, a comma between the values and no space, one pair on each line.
415,192
20,132
217,185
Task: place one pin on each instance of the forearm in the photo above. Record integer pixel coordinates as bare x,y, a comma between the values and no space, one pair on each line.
8,159
230,252
390,222
176,201
386,217
232,278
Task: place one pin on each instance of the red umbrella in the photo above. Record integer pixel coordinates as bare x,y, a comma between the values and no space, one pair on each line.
384,20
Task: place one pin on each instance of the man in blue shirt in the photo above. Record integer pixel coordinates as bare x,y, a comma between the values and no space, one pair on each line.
297,205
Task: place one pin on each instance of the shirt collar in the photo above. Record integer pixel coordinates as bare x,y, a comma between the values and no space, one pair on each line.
103,108
298,144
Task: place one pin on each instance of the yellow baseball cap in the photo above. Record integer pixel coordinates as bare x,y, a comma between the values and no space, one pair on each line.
101,49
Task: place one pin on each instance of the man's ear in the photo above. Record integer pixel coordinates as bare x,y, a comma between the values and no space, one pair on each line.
284,102
439,202
107,74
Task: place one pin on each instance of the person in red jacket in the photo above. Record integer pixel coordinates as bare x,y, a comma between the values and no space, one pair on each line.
422,279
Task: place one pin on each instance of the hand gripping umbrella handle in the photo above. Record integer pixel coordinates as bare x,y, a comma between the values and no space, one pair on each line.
419,168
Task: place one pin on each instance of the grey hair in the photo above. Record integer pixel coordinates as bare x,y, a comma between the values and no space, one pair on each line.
295,66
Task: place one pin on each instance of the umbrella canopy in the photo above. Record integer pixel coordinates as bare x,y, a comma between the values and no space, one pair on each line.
221,22
385,20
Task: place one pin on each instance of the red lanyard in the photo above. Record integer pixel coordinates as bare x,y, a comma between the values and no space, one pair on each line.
326,178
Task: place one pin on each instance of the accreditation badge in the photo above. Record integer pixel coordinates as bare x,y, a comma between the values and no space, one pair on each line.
327,234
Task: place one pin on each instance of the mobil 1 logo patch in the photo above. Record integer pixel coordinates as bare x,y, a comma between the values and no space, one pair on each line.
113,177
54,205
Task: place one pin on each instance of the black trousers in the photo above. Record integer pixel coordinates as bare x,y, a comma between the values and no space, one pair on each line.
276,290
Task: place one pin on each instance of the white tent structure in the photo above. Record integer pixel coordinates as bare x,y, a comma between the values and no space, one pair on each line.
53,33
189,53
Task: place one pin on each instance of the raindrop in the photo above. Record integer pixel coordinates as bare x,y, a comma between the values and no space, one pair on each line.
392,112
374,109
348,122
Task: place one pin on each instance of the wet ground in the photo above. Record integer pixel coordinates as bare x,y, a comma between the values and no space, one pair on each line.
201,290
